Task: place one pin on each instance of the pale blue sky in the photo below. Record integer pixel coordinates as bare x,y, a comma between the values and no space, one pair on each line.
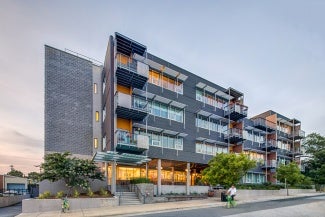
272,51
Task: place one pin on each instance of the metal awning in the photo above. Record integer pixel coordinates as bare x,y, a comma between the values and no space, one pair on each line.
211,115
155,97
108,156
159,130
213,90
166,70
211,141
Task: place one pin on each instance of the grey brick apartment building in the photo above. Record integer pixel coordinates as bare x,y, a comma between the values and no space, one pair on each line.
145,117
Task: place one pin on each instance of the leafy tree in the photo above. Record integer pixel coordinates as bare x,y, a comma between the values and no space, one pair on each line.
290,173
74,171
34,177
314,142
227,169
315,165
16,173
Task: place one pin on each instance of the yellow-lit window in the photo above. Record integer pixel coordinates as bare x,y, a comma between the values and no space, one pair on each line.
95,143
95,88
97,116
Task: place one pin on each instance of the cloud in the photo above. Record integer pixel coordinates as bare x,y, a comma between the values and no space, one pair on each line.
20,150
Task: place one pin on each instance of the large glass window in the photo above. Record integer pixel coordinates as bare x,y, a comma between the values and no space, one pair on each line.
209,149
164,111
213,125
165,141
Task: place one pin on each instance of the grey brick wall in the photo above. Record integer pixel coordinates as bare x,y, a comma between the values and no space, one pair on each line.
68,103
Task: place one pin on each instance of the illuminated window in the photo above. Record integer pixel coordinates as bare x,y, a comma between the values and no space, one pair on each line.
95,88
95,143
97,116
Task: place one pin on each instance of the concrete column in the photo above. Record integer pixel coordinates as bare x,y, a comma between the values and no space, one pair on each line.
106,170
173,175
159,177
188,178
113,182
146,170
193,181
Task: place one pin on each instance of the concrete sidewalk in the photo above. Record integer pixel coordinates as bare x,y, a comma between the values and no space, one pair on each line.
158,207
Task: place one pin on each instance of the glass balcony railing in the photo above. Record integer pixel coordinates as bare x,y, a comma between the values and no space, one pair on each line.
298,134
131,64
131,142
235,111
234,135
269,145
264,124
131,106
270,164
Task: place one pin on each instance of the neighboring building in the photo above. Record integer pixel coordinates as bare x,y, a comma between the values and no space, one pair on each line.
145,117
13,183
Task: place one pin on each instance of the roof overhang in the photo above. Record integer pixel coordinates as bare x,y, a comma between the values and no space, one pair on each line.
122,158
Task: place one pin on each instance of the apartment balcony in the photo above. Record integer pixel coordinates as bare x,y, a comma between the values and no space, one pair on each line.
130,72
265,125
234,135
299,134
297,152
131,143
269,164
130,107
269,145
235,111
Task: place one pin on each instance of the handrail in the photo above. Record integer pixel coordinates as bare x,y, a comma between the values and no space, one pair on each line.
265,123
236,107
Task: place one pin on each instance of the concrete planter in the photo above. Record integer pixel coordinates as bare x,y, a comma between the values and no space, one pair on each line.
11,200
45,205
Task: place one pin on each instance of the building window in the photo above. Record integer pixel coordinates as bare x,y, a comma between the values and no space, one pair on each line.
97,116
164,111
95,88
104,142
209,149
210,99
95,143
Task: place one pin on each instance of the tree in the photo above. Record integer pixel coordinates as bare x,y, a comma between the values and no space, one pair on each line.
290,173
314,142
14,172
315,165
227,169
74,171
34,177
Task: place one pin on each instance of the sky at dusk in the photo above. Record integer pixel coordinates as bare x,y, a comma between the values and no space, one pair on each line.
272,51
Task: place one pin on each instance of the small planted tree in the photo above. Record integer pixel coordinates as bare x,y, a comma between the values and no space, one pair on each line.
227,169
290,173
74,171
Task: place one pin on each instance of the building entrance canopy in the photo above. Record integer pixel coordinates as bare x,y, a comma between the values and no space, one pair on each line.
123,158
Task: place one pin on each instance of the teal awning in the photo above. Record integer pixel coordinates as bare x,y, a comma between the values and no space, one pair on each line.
120,158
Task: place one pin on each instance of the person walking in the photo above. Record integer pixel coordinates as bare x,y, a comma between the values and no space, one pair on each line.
232,192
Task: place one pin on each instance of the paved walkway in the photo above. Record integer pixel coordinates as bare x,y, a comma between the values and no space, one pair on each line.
157,207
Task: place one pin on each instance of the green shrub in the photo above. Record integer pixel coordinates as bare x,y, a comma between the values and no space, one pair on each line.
139,180
103,192
45,195
90,193
75,193
59,194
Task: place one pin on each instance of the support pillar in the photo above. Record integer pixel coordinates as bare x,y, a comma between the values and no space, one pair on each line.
173,175
188,178
159,177
146,170
113,183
